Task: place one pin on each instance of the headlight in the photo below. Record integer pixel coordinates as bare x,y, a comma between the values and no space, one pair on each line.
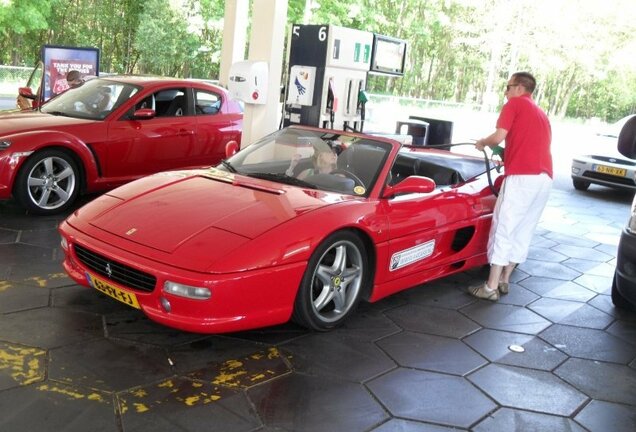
5,145
631,225
197,293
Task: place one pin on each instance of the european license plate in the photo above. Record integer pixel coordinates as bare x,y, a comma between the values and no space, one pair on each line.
619,172
123,296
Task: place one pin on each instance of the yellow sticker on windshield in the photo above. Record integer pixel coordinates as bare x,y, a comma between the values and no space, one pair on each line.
359,190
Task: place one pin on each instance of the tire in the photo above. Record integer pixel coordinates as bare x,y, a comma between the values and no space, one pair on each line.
48,182
331,287
618,299
581,185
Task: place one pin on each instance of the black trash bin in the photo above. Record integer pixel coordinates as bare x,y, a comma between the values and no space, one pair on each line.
418,129
439,131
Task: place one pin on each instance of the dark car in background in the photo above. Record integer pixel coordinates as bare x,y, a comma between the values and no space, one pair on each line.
109,131
624,285
605,166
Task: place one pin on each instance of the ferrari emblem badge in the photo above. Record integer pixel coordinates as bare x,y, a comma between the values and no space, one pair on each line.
109,270
131,231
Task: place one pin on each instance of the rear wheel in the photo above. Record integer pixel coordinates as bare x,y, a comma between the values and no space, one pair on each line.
334,279
581,185
617,298
48,182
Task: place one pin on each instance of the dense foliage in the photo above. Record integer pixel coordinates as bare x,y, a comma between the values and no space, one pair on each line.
459,50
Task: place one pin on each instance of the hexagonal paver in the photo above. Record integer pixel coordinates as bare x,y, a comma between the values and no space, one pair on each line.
342,357
505,317
123,365
425,319
368,323
44,238
599,416
589,344
435,353
570,291
399,425
582,253
316,406
518,296
495,346
439,294
8,236
132,325
598,284
590,267
51,406
20,365
541,285
49,327
625,330
548,269
545,254
17,254
85,299
571,313
507,419
15,297
432,397
245,372
184,405
604,303
528,389
606,381
570,240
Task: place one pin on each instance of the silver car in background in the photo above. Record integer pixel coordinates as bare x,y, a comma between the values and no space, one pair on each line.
605,166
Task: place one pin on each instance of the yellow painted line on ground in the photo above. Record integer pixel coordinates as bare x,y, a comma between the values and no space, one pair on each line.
25,365
5,285
71,393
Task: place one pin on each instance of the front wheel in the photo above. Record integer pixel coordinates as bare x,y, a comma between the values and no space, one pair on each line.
48,183
581,185
617,298
333,281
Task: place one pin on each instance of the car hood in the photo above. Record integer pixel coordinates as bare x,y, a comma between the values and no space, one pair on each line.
23,121
194,208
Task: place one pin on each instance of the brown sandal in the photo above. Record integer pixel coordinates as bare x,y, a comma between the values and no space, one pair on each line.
503,287
480,291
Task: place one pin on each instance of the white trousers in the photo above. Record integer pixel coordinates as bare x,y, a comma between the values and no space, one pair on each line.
521,201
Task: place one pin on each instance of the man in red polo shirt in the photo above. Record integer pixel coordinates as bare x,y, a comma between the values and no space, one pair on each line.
526,187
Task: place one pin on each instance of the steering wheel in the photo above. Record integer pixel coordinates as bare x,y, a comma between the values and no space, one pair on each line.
350,175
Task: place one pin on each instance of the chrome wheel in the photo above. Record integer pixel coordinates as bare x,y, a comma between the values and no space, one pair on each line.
48,182
333,282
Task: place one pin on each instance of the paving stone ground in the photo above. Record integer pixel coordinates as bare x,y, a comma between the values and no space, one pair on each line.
431,358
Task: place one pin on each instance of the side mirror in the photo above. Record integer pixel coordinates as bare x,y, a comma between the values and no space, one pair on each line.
231,148
627,139
412,184
144,114
26,92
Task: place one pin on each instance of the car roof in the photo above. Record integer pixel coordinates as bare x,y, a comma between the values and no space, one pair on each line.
146,80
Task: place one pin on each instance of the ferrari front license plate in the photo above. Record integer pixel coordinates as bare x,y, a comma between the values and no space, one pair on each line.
619,172
123,296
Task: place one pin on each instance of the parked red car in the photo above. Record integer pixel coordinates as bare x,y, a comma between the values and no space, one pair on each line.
269,235
110,131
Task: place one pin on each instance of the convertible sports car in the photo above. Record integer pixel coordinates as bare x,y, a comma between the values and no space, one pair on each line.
108,132
265,237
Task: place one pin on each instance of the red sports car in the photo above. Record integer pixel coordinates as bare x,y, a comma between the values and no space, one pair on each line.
110,131
302,224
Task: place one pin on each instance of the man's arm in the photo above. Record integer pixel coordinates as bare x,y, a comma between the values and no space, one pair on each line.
492,140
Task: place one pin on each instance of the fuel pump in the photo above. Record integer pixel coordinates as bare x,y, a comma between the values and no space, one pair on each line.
328,70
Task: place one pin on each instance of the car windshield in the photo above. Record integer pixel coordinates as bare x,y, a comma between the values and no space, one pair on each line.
94,100
328,161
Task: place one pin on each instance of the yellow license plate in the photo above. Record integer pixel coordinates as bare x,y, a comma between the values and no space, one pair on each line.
123,296
619,172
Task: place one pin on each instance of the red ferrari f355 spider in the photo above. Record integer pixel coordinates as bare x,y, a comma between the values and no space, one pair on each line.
301,225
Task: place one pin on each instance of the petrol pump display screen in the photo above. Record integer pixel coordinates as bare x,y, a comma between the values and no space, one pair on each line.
389,55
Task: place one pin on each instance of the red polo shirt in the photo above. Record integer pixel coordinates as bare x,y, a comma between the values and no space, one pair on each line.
528,139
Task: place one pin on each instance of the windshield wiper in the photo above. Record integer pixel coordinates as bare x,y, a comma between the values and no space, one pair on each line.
57,113
282,178
229,166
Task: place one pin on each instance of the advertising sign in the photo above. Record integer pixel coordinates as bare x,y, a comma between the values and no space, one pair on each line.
59,60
